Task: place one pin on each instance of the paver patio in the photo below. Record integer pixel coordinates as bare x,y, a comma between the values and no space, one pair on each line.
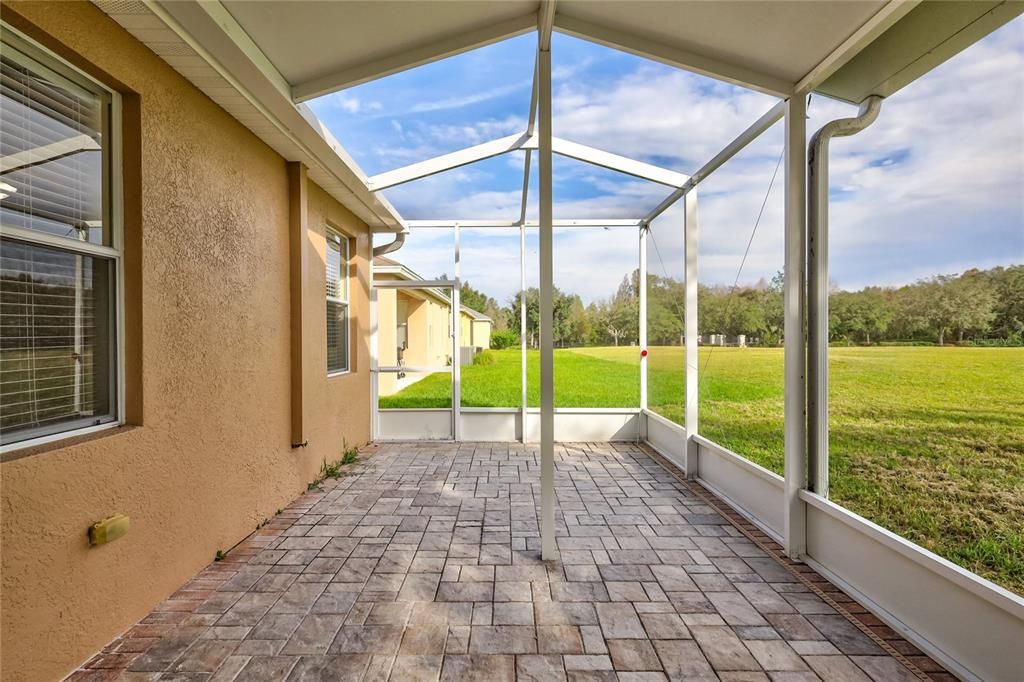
423,564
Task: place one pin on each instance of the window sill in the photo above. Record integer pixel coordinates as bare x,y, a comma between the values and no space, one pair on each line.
340,373
58,441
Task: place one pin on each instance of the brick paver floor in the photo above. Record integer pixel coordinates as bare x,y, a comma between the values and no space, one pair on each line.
422,563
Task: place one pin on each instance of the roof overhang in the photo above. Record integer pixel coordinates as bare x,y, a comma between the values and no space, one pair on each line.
925,37
202,42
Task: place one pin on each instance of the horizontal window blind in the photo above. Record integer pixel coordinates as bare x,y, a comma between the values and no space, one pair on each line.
55,338
58,369
337,303
51,156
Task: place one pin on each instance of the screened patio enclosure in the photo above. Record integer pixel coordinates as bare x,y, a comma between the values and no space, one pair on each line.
858,52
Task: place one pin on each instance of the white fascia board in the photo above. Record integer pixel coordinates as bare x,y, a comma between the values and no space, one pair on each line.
210,30
446,162
416,56
672,56
878,24
47,152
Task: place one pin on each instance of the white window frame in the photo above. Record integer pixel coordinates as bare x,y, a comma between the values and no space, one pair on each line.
113,211
344,275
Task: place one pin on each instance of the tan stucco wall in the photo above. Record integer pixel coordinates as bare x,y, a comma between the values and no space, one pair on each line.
212,458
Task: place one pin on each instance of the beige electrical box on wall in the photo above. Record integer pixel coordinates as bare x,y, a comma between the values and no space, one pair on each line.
108,530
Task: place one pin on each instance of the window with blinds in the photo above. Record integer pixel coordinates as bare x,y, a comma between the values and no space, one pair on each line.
58,263
337,303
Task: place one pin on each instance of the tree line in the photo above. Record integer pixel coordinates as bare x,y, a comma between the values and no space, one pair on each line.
981,307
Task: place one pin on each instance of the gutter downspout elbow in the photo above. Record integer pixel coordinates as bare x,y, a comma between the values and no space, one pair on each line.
818,287
393,246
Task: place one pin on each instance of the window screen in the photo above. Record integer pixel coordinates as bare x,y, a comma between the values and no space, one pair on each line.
57,261
337,303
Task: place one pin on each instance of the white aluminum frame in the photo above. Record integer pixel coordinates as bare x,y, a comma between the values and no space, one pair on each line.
811,528
114,252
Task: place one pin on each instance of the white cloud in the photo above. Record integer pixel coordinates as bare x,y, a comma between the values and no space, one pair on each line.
466,100
935,185
352,104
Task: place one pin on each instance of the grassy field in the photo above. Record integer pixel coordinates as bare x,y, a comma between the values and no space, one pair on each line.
928,442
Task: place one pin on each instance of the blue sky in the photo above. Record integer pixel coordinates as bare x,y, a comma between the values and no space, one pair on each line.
936,185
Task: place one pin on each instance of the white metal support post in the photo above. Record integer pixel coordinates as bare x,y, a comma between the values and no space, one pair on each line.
531,126
690,331
374,357
457,343
547,358
795,512
642,294
522,328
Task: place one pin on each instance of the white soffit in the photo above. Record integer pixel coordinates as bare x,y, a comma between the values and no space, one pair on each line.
319,47
927,36
769,46
197,43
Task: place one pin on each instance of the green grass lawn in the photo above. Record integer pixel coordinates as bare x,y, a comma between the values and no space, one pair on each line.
927,442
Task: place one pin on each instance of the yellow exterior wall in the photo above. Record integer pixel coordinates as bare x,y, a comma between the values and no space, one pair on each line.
482,334
430,342
386,340
475,333
212,457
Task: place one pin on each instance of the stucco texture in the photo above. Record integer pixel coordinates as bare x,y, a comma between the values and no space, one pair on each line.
212,457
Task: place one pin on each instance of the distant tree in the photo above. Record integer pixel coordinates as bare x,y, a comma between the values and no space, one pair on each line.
666,301
1008,286
947,303
856,316
772,312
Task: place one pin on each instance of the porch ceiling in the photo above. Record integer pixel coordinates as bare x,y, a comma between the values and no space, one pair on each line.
318,47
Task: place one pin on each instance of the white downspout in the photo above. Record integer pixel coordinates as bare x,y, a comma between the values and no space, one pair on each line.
392,246
817,286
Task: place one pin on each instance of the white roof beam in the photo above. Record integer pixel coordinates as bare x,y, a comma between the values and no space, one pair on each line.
622,164
672,56
486,150
446,162
767,120
526,186
416,56
878,24
545,24
582,222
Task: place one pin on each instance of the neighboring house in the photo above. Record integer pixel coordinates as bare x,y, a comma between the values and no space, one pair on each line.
414,327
